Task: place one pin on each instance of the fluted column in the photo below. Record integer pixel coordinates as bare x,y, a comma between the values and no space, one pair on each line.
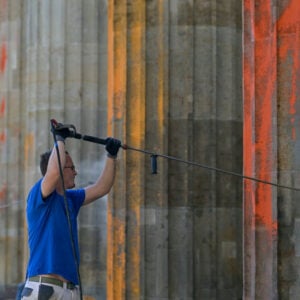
175,88
11,146
263,157
127,65
288,68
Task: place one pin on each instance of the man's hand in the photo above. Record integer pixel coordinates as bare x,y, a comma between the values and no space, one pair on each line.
112,146
62,131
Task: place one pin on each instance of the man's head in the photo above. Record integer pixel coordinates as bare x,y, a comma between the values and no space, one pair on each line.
69,171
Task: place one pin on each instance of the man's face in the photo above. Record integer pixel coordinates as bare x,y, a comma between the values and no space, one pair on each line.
69,173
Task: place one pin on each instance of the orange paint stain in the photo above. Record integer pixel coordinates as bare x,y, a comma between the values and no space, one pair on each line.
117,61
117,55
116,257
161,73
28,145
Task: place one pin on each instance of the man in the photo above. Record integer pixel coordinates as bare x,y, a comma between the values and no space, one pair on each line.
54,252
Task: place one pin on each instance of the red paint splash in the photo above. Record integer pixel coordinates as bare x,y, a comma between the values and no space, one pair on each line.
289,30
260,69
3,58
260,86
290,17
2,137
3,192
2,107
262,50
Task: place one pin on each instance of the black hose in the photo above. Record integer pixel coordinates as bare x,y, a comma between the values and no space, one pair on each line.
155,155
67,211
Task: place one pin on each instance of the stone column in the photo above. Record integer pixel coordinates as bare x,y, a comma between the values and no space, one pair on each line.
175,88
260,149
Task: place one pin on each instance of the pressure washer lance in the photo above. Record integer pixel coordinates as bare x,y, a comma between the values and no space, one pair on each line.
96,140
154,155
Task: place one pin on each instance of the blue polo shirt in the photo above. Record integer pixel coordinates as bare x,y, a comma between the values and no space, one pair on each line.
49,235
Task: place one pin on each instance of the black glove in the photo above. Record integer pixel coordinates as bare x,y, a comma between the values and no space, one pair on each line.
112,146
62,131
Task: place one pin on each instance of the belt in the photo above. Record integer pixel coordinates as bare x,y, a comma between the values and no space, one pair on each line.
54,281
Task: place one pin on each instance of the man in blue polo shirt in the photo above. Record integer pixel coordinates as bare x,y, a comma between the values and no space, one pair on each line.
52,230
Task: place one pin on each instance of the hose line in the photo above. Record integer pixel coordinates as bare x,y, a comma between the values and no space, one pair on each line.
67,211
